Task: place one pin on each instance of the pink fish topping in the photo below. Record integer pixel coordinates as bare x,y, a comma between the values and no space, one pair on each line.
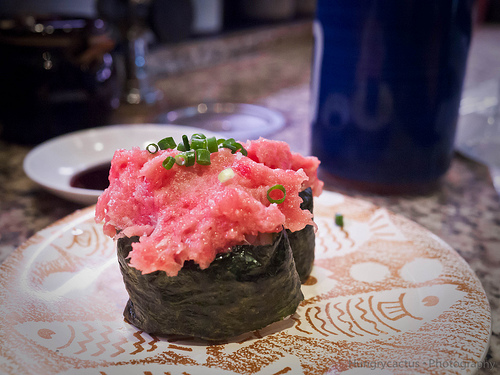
277,154
186,213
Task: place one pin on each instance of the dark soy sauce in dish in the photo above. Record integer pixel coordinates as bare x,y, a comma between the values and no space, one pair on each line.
94,178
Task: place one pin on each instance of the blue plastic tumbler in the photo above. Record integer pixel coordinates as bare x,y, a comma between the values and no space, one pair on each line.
386,86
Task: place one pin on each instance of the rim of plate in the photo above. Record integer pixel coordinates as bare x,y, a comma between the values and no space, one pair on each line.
274,120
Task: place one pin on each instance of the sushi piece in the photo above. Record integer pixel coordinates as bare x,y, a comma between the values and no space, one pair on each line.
276,154
203,241
230,297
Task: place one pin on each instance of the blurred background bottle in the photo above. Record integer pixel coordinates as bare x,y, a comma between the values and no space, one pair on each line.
386,86
57,73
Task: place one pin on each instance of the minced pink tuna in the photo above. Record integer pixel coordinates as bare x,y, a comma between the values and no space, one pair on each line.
186,213
276,154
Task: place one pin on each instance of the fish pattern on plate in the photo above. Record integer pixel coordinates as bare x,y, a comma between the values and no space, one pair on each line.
382,289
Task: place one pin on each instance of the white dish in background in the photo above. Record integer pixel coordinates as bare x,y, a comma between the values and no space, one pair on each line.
53,163
229,120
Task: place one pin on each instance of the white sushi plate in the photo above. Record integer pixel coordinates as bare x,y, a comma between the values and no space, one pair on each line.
386,296
53,163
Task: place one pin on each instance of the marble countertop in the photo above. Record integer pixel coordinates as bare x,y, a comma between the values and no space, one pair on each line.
464,211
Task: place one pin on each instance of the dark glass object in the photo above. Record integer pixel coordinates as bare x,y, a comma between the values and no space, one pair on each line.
57,74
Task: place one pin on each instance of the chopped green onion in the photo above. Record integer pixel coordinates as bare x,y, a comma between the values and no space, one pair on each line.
155,146
185,141
167,143
230,146
241,149
212,144
203,156
190,158
168,163
186,158
339,219
180,159
197,150
198,136
226,175
197,143
233,146
276,187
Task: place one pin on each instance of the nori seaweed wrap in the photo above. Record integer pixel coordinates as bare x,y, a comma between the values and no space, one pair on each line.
302,242
242,290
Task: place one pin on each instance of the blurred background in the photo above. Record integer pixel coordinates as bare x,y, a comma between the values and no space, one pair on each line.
69,65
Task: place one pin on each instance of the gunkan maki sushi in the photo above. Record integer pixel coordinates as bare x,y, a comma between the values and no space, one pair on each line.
202,236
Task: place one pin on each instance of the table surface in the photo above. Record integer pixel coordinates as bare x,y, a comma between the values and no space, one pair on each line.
464,211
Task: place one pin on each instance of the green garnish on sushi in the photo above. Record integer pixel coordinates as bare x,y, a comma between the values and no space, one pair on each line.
273,188
198,149
152,148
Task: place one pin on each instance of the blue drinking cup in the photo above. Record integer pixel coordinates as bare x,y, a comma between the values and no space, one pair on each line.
386,85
